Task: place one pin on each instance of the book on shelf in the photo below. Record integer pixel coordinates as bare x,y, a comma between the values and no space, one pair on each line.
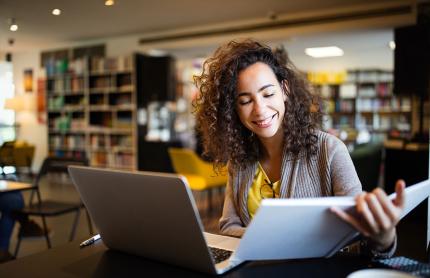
62,67
367,91
78,66
125,63
77,84
101,82
367,76
325,92
124,159
120,99
98,141
125,88
384,89
121,141
347,91
344,106
99,158
118,64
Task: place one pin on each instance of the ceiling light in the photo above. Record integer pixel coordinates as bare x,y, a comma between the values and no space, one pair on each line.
156,52
13,26
323,52
392,45
56,11
109,2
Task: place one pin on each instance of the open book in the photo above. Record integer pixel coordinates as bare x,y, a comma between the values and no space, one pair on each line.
306,228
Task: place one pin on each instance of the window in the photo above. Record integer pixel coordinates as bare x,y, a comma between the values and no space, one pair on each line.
7,117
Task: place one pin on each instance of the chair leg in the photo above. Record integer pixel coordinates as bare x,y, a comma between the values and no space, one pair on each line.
31,197
75,224
18,244
90,223
45,230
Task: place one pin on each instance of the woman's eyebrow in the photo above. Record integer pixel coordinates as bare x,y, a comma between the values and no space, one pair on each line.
265,87
259,90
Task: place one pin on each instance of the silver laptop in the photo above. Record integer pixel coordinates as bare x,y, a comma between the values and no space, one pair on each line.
152,215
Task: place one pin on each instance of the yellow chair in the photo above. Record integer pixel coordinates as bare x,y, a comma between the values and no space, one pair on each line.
199,174
18,154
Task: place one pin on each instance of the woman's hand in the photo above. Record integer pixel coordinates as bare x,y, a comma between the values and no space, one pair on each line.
377,216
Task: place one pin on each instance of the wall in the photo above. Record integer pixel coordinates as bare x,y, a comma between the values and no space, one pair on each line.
30,130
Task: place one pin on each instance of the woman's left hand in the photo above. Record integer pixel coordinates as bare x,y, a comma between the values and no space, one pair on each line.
377,216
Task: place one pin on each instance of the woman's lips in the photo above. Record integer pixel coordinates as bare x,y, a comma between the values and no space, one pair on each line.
266,122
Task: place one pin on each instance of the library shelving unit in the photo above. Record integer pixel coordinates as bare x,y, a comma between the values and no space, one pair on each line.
364,100
378,110
92,111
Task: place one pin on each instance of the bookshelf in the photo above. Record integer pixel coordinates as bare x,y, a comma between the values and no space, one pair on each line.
363,100
91,110
377,108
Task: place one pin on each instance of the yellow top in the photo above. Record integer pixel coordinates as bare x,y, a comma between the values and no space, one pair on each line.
261,188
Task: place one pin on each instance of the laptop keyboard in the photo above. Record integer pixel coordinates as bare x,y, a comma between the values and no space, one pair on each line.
219,255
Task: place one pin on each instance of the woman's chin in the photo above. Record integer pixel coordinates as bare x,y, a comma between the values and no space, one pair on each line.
266,134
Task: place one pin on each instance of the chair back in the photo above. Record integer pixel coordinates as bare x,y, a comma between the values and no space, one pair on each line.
17,154
185,161
54,165
23,157
367,161
58,165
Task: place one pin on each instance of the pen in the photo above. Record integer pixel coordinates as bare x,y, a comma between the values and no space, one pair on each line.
90,241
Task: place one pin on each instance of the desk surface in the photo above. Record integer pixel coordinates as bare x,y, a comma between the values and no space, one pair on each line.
97,261
9,186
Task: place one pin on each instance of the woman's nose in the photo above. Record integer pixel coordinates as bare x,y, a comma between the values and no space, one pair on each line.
259,107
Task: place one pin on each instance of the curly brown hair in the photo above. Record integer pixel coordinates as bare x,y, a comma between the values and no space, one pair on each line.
225,138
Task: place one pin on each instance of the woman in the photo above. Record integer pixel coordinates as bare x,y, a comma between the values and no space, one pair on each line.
257,114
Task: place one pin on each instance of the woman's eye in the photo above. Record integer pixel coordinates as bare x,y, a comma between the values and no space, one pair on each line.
269,95
244,102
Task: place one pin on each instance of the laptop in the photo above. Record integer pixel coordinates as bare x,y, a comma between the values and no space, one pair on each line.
152,215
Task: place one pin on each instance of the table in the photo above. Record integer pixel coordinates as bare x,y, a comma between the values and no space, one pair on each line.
11,186
97,261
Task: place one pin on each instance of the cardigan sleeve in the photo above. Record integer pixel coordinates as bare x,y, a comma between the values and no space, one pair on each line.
230,223
344,179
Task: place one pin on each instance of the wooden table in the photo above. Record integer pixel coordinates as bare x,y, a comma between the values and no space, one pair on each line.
10,186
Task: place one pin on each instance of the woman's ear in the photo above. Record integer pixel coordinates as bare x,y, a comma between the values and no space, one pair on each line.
285,90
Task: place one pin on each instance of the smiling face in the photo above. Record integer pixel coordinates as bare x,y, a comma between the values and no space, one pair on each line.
260,101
